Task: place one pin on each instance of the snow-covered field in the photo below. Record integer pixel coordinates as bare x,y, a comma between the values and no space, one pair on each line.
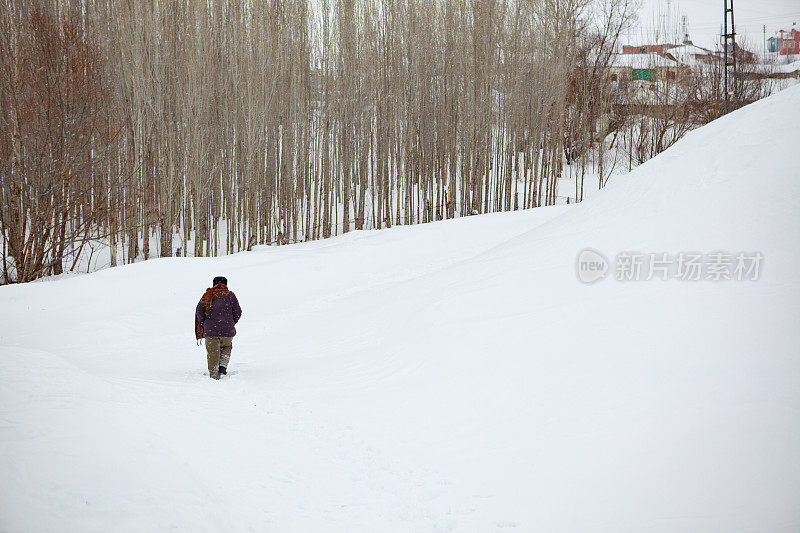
454,376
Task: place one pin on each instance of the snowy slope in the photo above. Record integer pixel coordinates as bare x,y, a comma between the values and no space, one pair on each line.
454,376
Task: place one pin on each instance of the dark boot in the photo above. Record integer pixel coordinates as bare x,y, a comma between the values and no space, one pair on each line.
223,370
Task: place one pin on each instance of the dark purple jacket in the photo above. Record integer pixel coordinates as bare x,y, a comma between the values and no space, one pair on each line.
220,321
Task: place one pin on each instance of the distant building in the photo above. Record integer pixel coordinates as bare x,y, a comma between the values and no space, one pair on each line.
690,54
789,42
646,48
773,44
649,67
742,55
685,53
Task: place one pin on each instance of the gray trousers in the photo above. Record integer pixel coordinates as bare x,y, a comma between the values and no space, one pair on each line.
218,352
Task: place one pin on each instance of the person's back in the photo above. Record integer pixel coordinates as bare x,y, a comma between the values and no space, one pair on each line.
216,316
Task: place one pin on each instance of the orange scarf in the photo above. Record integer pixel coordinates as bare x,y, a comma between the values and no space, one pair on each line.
217,291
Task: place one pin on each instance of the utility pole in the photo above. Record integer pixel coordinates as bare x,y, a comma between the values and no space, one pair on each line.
729,46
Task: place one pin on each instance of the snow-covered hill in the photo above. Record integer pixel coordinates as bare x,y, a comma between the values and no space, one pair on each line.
454,376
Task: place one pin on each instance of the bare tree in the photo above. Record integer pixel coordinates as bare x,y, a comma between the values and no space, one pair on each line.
209,127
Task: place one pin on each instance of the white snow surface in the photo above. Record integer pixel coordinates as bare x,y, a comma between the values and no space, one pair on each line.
454,376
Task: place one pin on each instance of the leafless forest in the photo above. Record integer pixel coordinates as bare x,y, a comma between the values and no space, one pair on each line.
277,121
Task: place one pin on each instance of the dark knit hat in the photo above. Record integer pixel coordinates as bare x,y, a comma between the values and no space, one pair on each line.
221,279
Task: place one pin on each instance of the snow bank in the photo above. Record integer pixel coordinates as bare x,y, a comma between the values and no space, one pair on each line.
453,376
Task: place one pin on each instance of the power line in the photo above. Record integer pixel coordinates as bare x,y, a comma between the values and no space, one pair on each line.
743,21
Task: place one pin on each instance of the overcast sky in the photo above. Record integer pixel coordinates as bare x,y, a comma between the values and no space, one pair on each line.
704,18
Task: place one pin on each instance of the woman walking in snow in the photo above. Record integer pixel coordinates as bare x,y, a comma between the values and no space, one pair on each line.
214,319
